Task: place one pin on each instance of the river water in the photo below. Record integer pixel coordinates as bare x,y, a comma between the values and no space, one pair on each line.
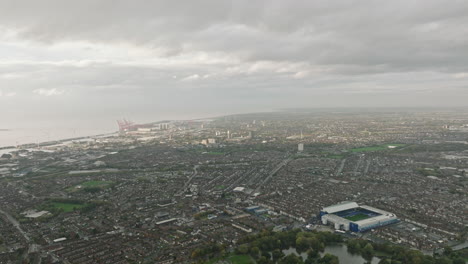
339,250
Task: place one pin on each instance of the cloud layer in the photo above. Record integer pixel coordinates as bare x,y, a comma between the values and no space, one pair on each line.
216,57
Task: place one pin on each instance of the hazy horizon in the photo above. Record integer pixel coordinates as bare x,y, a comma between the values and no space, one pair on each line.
26,131
80,62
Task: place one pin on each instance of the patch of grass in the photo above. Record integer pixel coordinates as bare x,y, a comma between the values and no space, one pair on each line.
91,186
96,183
429,171
241,259
357,217
202,215
435,147
381,254
377,148
68,207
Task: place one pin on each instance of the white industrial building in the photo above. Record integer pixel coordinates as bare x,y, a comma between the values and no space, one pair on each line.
300,147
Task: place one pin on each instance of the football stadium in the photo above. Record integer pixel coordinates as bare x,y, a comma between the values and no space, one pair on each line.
349,216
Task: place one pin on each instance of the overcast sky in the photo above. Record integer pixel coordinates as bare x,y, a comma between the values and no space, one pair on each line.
107,59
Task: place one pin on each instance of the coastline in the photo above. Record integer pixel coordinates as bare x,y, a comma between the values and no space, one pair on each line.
51,143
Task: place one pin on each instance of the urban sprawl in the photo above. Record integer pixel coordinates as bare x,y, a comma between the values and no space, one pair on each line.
156,193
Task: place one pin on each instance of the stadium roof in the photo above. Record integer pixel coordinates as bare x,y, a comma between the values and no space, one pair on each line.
382,212
375,219
340,207
336,219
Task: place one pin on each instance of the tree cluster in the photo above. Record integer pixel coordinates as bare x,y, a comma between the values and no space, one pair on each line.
394,254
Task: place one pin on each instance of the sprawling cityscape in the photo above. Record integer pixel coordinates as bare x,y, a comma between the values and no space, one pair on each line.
233,132
164,192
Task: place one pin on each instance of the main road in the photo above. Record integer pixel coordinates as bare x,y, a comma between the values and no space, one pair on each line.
16,224
186,185
272,173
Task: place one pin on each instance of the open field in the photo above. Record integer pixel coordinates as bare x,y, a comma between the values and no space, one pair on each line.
90,185
68,207
357,217
377,148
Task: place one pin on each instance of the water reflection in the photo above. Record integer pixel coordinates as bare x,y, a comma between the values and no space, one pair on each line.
339,250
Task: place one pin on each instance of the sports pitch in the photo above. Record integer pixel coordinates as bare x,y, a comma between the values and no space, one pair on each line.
357,217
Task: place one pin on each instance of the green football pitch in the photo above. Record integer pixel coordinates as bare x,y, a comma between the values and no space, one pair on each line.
357,217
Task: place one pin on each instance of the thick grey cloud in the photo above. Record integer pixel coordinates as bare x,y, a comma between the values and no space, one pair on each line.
116,57
395,35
